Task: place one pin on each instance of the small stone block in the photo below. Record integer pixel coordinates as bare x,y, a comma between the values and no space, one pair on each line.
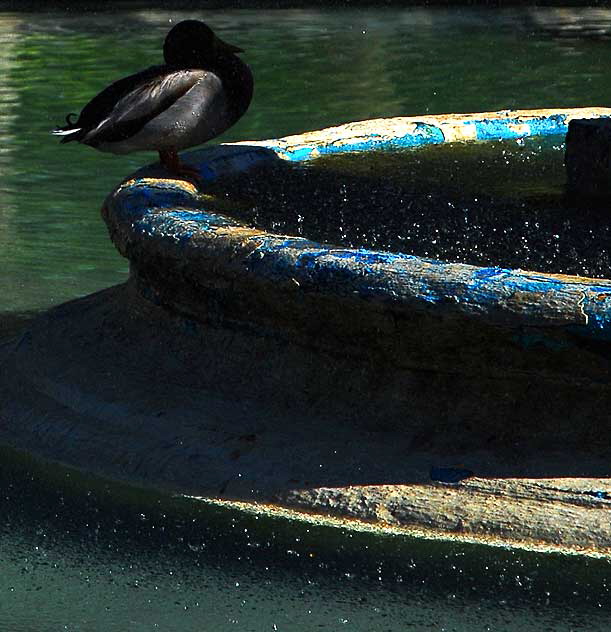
588,157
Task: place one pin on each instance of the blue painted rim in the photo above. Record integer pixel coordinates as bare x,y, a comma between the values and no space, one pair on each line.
165,215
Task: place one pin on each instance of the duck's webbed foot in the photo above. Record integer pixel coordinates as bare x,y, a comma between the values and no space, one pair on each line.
171,161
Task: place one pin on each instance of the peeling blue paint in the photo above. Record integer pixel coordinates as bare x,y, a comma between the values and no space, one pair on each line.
555,124
203,218
424,133
370,257
493,130
497,129
486,274
167,212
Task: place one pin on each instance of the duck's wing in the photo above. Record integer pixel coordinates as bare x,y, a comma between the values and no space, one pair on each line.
103,103
124,107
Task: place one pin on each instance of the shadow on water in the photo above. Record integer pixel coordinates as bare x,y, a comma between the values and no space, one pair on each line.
13,323
172,561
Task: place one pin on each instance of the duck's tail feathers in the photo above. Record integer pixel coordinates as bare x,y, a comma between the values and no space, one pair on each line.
72,133
68,130
65,132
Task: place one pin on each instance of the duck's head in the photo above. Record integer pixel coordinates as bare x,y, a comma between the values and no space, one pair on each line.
192,42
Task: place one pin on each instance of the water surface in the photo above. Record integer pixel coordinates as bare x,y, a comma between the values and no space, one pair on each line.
80,554
312,68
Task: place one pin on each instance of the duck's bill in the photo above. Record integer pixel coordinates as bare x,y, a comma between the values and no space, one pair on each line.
228,48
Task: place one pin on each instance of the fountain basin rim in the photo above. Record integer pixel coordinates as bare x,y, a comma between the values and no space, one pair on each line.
152,217
308,354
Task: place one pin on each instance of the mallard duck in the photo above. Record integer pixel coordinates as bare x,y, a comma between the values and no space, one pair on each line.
202,89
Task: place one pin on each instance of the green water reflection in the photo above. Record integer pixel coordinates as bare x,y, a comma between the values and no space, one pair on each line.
81,554
312,68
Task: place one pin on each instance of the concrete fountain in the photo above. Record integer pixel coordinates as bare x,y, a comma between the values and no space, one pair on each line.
278,373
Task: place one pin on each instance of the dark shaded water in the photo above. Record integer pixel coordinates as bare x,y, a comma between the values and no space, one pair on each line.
491,203
91,557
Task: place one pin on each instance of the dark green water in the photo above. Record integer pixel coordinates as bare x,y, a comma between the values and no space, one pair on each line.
79,557
312,69
79,554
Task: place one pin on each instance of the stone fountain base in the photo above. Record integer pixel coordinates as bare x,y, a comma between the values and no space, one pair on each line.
279,374
115,385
